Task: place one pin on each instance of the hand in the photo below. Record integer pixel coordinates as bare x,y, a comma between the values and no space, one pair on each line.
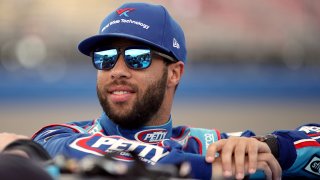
242,155
7,138
217,172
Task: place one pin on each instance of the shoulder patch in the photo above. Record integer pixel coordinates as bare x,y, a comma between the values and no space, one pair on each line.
313,166
206,137
312,131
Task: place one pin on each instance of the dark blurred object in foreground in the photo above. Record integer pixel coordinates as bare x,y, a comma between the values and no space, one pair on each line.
107,167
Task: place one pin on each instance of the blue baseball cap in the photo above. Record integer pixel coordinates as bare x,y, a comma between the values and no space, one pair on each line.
142,22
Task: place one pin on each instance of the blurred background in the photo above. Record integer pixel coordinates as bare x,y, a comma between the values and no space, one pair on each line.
251,64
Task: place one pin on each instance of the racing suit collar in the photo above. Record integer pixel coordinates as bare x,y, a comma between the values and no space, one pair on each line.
146,134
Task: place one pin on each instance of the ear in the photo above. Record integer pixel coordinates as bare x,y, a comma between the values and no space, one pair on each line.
175,72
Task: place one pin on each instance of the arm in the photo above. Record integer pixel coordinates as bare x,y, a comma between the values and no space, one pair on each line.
23,146
7,138
296,151
299,151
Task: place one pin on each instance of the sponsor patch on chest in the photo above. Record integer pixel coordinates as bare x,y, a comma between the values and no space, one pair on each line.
151,136
98,144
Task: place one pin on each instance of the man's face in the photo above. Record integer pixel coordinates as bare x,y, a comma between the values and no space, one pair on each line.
131,98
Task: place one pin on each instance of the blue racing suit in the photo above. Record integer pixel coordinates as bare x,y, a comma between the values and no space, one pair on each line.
298,151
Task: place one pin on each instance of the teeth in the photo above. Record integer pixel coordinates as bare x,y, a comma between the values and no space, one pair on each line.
120,92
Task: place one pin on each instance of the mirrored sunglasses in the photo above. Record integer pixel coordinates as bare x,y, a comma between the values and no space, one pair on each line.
135,57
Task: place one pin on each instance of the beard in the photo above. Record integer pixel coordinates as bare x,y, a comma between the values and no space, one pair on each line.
143,108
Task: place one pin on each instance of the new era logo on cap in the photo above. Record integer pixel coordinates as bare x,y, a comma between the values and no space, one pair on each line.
124,11
176,44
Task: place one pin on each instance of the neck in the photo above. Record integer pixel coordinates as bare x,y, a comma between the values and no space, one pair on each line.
162,131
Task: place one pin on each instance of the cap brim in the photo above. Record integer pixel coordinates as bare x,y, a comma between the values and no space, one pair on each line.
89,44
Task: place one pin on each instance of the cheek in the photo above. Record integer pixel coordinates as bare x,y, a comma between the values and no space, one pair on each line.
148,79
156,72
101,78
101,81
153,80
100,75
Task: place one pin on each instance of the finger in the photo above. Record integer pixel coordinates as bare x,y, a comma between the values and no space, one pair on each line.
213,149
22,137
239,158
227,156
272,163
217,172
252,155
263,165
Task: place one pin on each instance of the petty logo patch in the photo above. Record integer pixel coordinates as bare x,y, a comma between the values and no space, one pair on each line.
98,144
151,136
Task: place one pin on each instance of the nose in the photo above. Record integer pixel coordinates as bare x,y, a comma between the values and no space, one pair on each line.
120,69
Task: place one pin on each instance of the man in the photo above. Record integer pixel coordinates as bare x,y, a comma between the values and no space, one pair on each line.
140,54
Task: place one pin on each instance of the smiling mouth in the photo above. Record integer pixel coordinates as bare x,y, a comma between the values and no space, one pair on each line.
120,92
121,95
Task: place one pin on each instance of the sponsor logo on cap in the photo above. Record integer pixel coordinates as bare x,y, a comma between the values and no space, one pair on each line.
313,166
124,11
152,136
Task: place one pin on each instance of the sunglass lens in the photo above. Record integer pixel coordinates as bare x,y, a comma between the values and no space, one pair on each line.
105,59
138,58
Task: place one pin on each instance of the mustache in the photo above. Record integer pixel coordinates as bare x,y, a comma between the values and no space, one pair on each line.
118,82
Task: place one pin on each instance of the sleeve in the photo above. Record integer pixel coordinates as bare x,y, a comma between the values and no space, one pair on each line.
34,150
74,143
57,138
299,151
